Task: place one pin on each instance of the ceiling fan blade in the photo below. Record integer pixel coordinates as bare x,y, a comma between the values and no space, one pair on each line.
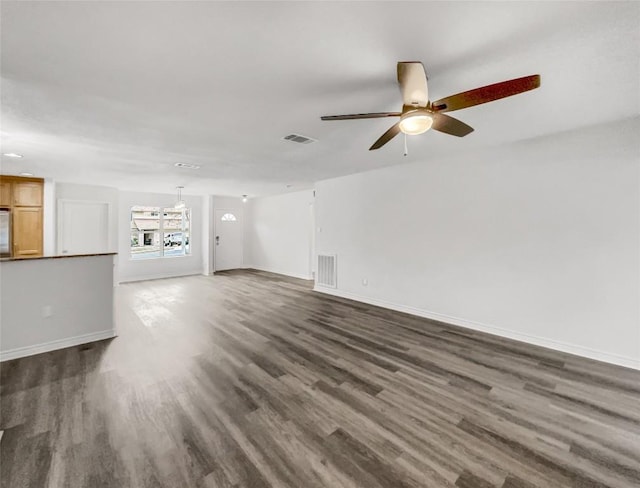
413,84
393,131
449,125
361,116
486,94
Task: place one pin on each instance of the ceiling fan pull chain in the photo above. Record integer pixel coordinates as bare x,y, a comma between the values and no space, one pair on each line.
406,149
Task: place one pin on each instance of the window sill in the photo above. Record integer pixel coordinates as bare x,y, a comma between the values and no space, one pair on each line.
160,258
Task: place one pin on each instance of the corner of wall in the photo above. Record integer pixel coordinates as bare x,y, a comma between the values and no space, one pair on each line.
49,217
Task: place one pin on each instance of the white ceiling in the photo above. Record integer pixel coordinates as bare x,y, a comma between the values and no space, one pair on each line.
115,93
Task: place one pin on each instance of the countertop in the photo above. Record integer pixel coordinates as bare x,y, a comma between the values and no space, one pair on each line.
57,256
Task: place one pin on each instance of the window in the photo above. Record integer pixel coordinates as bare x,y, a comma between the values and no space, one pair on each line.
228,217
158,232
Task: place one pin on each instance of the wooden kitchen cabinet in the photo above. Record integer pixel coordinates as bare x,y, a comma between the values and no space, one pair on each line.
27,194
24,198
27,231
5,193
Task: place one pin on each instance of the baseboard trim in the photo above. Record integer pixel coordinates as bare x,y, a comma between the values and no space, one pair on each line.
21,352
135,279
490,329
280,272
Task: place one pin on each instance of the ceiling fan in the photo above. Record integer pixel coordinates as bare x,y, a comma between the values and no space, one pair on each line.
419,114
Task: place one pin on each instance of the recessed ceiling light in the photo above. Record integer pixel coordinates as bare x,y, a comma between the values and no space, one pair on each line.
26,174
187,165
12,155
244,198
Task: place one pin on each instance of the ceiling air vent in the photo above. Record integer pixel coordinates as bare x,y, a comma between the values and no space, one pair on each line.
187,165
299,139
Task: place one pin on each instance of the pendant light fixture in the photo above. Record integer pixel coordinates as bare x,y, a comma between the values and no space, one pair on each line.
180,203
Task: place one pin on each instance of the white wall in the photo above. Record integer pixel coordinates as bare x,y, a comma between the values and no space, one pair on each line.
69,302
538,241
49,233
207,235
144,269
278,233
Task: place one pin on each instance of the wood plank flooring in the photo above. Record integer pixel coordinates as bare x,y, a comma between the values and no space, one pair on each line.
248,379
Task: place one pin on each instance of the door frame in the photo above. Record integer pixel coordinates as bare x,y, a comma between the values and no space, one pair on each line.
236,212
60,220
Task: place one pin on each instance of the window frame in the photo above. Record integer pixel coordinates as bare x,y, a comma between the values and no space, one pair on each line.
185,230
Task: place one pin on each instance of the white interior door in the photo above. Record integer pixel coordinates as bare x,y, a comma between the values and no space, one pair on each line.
227,240
83,227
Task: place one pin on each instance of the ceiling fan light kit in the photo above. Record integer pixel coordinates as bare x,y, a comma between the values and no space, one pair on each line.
414,123
419,114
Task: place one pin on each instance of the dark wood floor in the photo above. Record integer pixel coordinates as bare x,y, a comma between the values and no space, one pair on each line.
252,380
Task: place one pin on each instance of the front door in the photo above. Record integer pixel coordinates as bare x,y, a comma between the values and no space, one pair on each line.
227,240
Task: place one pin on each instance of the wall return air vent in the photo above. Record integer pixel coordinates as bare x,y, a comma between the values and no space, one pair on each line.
299,139
327,271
